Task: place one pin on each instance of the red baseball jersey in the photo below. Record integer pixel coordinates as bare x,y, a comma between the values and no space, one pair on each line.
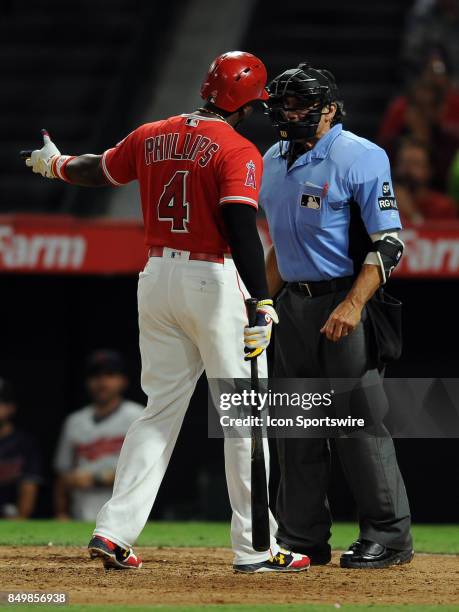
187,167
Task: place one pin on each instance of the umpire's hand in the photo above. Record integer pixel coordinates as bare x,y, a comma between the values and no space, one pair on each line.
342,321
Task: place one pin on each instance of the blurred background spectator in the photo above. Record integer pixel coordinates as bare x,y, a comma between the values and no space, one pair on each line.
20,462
412,174
91,440
435,70
429,112
431,23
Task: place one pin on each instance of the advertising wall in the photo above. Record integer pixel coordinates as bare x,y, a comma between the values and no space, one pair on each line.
69,245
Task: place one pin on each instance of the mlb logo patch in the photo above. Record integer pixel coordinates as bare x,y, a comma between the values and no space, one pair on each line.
311,201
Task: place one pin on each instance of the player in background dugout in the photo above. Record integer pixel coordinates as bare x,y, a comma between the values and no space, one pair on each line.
91,440
417,201
199,184
20,462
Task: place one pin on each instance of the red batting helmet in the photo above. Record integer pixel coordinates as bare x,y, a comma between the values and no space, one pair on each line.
234,79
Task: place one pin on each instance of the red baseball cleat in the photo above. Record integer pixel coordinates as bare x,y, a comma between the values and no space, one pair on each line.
113,556
284,561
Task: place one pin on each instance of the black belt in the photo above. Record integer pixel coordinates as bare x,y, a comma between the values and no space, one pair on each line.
316,288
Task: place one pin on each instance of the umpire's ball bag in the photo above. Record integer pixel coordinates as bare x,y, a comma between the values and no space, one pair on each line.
385,322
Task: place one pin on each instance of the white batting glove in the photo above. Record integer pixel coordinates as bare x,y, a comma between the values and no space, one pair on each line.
41,159
256,338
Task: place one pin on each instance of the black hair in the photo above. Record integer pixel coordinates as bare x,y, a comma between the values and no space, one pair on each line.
340,113
334,97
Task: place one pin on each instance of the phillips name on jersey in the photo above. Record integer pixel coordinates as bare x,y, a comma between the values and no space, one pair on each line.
187,167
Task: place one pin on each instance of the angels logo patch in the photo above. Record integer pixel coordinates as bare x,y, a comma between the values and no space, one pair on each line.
250,179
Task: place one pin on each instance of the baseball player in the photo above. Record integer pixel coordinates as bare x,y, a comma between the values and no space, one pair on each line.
199,183
91,439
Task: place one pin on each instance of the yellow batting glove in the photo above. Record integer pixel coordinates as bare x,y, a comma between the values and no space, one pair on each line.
257,338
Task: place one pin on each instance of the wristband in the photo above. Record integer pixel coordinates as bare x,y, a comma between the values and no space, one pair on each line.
265,303
58,166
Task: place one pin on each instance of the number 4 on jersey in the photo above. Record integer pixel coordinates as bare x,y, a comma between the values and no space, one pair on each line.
172,205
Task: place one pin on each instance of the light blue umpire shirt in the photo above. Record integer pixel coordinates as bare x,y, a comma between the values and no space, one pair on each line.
308,204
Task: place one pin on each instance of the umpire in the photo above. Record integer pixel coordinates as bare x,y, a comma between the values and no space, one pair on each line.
328,198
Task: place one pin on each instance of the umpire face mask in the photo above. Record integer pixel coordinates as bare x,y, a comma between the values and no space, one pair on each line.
297,99
294,119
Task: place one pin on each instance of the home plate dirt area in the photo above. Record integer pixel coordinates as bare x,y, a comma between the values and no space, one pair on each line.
205,576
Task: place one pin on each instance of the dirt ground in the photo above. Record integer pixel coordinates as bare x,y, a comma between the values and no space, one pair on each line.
205,576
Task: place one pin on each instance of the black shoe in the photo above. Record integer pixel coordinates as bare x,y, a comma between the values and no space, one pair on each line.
318,555
364,554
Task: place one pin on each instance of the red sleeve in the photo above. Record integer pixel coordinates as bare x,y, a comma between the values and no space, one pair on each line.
119,163
240,172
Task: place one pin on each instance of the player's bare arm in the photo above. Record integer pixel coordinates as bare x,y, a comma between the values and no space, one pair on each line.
83,170
79,479
86,170
105,478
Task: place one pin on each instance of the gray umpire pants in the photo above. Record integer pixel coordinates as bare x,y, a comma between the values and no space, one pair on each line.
369,463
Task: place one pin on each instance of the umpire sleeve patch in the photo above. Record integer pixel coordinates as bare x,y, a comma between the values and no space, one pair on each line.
387,204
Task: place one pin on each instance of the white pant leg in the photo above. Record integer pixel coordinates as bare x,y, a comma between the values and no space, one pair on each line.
213,294
237,467
171,366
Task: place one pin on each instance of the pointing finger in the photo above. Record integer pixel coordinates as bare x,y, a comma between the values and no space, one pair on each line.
45,135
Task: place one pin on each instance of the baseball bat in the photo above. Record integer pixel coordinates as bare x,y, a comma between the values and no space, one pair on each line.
259,486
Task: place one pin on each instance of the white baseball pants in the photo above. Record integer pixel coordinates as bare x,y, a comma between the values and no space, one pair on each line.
191,318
